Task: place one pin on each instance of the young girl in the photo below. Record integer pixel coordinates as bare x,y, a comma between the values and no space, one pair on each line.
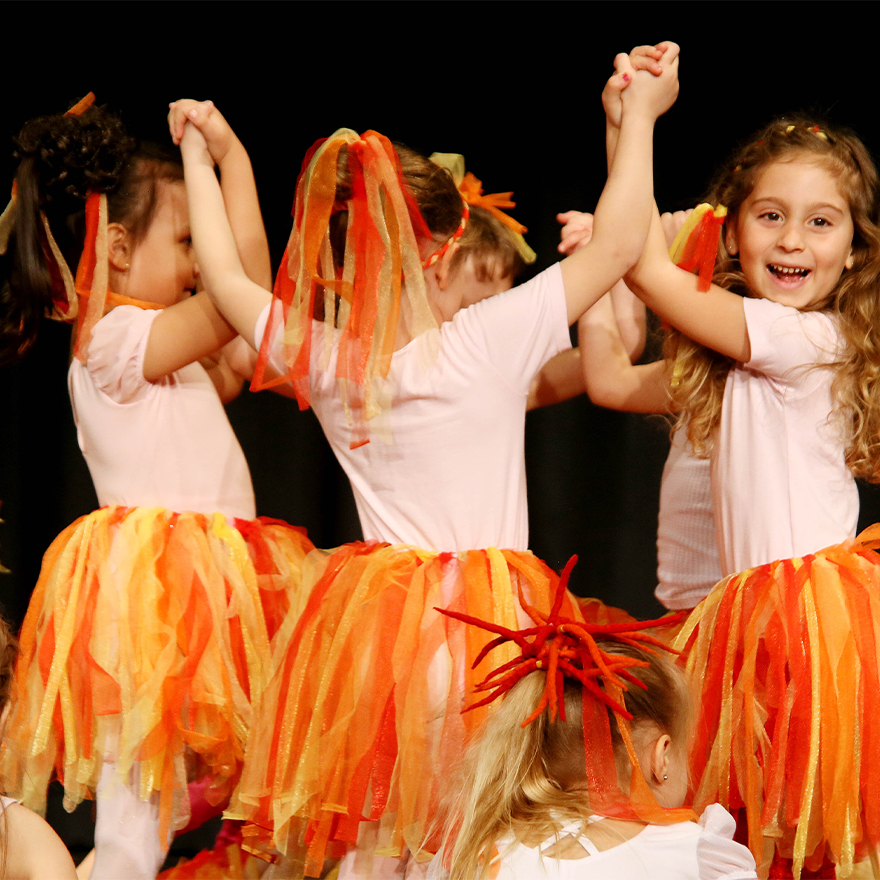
29,848
528,801
148,635
779,384
424,404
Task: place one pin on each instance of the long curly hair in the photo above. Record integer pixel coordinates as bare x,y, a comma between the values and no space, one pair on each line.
699,373
525,780
61,159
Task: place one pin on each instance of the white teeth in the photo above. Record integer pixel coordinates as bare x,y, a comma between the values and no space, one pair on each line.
788,270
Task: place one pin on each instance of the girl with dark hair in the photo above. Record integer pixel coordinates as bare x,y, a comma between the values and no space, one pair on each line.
148,635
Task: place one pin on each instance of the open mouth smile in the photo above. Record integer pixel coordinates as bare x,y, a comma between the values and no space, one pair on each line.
787,273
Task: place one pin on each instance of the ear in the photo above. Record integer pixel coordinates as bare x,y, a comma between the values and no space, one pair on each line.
730,239
660,759
850,260
119,247
443,266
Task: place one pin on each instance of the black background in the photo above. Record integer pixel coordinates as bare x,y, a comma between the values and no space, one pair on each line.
513,86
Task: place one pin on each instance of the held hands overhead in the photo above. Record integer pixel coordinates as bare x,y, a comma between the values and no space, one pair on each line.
646,78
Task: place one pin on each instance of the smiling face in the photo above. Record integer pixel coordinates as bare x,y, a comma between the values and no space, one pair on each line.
793,234
163,267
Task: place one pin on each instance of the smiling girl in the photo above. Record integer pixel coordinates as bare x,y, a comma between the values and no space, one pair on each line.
775,374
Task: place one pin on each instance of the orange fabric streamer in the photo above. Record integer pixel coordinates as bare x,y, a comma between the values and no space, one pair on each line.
566,648
696,245
363,718
786,659
379,285
146,635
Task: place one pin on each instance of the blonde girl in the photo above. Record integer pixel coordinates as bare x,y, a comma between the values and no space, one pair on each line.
775,377
520,807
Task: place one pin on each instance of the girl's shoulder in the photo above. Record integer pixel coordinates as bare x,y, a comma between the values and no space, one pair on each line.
33,850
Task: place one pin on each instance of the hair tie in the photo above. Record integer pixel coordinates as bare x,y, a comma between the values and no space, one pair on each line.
465,216
471,189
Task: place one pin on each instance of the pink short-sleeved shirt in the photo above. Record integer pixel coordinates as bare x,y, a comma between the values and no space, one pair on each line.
447,470
154,444
779,480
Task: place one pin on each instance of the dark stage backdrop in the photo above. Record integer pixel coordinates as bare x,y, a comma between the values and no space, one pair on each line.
513,86
518,94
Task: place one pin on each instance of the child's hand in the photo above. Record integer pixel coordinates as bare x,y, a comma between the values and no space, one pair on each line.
194,147
671,223
577,230
641,58
207,119
649,94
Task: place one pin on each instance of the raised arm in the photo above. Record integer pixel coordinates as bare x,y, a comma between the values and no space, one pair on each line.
623,214
193,330
610,377
240,299
714,318
237,183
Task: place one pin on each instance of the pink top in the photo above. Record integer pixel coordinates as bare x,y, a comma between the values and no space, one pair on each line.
447,470
154,444
779,480
687,552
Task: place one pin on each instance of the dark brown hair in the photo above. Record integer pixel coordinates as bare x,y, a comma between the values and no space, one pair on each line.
61,160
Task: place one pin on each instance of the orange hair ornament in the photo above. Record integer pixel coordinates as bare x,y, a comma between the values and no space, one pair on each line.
563,647
379,287
696,245
471,189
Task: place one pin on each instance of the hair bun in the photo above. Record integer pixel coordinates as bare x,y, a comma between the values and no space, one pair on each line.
74,154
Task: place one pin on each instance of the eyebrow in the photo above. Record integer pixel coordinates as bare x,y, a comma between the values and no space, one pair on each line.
818,206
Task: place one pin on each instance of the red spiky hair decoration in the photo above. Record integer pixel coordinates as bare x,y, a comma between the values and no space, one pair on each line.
564,647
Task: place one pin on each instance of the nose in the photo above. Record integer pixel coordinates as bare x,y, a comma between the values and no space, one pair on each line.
790,238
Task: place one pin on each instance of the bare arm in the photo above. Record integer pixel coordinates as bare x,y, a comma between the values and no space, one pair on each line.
715,318
610,378
240,299
192,330
623,214
33,850
237,183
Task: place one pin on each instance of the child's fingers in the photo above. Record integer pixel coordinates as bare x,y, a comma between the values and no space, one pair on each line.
646,58
671,223
569,216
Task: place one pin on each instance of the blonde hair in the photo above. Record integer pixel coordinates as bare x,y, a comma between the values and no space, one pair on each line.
525,779
699,373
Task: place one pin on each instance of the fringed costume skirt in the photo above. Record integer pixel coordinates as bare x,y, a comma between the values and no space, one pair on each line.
785,659
148,640
363,720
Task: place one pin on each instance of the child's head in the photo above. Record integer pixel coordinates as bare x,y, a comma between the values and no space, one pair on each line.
808,193
801,229
62,159
527,778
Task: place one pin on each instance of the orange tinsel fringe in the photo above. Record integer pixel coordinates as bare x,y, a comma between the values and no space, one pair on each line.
149,634
363,719
785,657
